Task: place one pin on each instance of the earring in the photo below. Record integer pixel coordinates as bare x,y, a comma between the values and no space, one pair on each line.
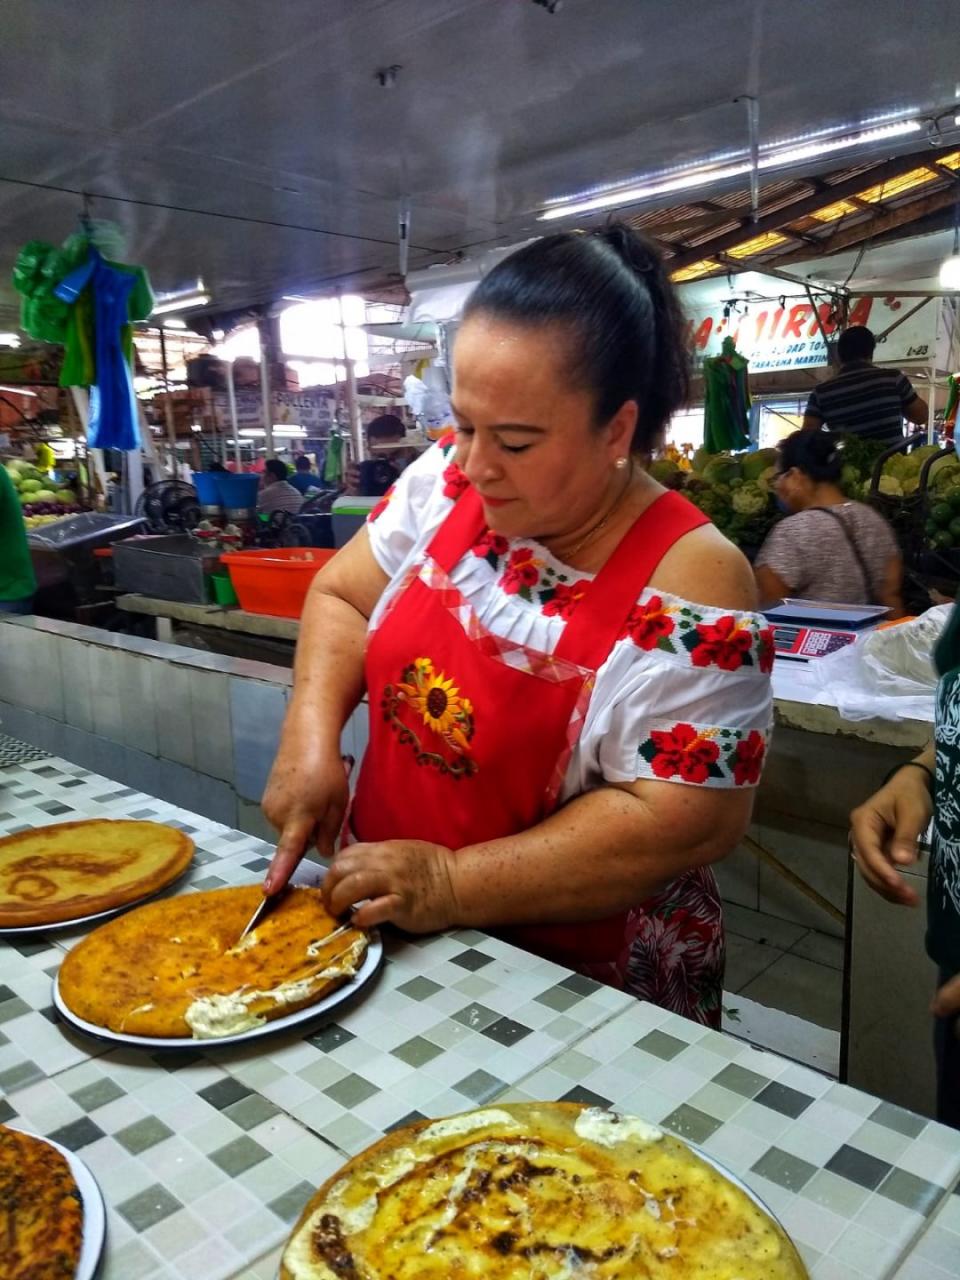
621,463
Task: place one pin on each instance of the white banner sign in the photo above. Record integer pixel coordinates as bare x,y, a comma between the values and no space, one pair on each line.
772,336
313,412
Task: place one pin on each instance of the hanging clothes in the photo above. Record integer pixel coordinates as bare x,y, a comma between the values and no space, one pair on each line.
726,414
950,412
333,462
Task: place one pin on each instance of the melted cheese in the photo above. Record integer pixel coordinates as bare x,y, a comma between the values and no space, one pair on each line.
518,1192
608,1128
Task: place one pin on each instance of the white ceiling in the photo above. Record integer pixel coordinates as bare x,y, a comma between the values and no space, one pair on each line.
267,112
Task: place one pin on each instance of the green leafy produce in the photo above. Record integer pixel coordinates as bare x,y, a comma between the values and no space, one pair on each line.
943,540
721,469
753,465
941,514
663,470
749,499
890,486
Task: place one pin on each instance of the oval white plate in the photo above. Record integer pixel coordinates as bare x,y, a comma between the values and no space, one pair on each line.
311,875
94,1215
16,931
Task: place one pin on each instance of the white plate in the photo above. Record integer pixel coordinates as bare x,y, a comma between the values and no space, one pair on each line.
94,1215
289,1022
17,931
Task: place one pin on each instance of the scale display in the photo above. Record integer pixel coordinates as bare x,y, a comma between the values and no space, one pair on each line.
803,643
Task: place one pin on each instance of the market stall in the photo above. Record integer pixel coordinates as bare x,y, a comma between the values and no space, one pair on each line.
204,1159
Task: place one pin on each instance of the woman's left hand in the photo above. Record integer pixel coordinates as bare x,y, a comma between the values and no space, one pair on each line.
408,882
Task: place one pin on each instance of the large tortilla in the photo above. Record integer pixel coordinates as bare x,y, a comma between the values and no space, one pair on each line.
41,1215
174,968
75,869
537,1191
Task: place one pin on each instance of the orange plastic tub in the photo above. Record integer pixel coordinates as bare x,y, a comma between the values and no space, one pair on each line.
275,582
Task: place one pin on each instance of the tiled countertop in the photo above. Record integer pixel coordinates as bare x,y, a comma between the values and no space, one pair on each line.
205,1158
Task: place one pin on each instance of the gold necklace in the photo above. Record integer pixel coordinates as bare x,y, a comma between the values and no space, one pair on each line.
601,524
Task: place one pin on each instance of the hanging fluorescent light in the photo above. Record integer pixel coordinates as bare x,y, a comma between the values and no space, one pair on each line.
279,429
705,174
9,339
950,273
172,323
181,304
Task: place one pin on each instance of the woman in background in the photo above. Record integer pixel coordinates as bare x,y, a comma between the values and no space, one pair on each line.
830,548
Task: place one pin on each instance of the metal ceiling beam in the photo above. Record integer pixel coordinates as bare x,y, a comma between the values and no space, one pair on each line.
799,209
883,222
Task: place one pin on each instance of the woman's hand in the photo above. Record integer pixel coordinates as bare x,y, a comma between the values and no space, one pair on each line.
306,799
884,833
408,882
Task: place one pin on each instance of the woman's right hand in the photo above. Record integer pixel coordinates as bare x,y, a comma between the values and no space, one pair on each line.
306,799
884,833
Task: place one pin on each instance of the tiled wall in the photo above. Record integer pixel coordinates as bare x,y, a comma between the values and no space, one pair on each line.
197,729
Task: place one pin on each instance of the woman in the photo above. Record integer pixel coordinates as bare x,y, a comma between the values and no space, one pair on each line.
884,835
550,644
830,548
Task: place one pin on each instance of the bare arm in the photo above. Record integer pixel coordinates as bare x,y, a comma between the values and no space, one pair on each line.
917,411
770,586
306,795
891,589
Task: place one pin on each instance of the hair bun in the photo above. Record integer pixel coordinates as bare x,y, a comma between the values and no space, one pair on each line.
632,249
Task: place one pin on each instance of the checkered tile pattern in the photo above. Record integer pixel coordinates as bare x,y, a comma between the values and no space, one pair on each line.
205,1157
853,1180
13,751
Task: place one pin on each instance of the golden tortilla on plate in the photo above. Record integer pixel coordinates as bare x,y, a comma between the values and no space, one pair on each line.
175,968
75,869
535,1191
41,1215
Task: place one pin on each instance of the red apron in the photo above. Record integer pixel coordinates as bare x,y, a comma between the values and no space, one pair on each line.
471,734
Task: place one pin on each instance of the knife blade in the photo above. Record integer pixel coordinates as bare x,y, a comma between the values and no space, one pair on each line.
263,907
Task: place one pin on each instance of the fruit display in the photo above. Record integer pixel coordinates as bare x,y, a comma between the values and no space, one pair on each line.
733,489
40,502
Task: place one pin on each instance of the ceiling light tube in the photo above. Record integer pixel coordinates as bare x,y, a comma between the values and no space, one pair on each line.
181,304
703,175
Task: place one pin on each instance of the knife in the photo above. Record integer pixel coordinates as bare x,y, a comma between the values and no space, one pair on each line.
263,907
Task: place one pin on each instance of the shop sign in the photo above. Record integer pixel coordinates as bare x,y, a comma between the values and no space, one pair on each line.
313,412
773,337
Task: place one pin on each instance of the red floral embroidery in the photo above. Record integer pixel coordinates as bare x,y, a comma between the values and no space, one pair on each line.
748,762
522,571
648,623
565,598
765,650
454,481
683,751
381,506
725,645
447,440
490,543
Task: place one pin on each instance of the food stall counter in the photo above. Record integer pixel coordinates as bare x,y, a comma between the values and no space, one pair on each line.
205,1157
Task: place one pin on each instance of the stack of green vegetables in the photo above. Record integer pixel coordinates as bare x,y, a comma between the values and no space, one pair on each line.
734,490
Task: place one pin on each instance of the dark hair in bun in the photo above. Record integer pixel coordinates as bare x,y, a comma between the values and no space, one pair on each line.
610,291
816,453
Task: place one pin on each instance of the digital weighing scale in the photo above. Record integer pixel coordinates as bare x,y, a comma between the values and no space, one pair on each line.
805,629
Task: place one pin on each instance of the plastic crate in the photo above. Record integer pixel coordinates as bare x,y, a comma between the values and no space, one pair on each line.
275,582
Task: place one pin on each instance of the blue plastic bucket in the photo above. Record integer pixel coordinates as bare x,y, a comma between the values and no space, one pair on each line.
208,491
237,493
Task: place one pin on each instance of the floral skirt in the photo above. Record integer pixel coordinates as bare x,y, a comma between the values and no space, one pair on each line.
676,950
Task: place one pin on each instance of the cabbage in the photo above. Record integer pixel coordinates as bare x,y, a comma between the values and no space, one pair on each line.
749,499
663,470
721,469
890,485
753,465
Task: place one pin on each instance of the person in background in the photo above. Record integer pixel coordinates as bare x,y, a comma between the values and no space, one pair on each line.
217,468
828,548
386,460
17,581
884,839
276,491
304,477
863,400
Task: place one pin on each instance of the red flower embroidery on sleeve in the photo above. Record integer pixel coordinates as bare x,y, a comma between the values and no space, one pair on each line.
447,440
454,481
683,751
748,762
565,598
725,644
648,623
490,543
522,571
766,650
381,506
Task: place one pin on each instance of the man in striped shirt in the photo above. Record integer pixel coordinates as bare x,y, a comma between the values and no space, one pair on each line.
862,399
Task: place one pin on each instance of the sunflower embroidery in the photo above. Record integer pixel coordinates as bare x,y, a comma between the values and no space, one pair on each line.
440,707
